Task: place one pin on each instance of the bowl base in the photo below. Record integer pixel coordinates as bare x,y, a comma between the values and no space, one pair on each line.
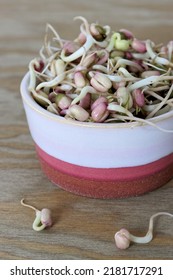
106,182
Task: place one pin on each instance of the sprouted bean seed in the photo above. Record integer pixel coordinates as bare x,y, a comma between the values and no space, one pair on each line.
42,218
100,62
123,237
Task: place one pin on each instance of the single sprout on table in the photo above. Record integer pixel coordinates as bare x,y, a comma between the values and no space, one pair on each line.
42,219
134,76
123,238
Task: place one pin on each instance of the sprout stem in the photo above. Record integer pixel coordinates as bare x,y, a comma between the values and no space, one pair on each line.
88,44
28,205
163,102
149,235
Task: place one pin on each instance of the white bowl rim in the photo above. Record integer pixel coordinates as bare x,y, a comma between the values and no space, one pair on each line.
27,98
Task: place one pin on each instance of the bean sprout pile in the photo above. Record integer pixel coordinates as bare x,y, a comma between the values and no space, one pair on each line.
102,76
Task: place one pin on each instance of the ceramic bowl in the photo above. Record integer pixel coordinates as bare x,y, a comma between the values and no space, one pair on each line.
100,160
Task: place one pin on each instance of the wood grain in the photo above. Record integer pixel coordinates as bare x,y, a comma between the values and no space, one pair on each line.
83,228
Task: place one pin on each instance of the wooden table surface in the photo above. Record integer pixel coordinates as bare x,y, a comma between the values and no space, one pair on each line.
83,228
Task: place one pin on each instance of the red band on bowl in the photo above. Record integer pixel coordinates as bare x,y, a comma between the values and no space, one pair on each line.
107,182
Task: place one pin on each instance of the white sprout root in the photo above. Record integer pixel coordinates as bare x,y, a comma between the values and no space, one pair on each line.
97,63
123,238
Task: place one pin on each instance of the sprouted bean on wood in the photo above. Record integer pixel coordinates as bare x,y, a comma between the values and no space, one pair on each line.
42,218
123,238
103,75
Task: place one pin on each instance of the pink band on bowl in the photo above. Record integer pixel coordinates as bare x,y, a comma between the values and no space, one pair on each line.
107,182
